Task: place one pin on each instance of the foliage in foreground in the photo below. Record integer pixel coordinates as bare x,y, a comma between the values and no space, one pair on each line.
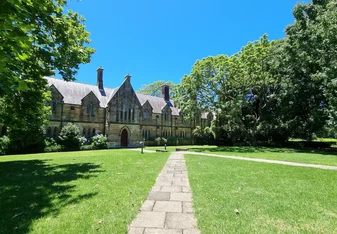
251,197
36,39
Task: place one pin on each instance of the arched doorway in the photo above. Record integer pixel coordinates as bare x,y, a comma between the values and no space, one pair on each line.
124,138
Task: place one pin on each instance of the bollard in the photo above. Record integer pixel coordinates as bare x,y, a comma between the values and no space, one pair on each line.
141,147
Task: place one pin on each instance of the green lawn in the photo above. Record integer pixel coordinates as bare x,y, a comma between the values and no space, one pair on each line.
270,198
75,192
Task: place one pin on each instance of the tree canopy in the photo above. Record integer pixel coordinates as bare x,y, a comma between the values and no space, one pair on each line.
154,89
37,38
271,90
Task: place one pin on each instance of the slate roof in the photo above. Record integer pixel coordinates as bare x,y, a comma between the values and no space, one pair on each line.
157,103
74,92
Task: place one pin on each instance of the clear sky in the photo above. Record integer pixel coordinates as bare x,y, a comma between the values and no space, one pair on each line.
161,40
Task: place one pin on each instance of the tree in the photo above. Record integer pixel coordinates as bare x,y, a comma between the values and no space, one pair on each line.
36,38
154,89
311,67
239,89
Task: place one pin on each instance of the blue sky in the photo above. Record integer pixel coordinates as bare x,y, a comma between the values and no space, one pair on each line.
161,40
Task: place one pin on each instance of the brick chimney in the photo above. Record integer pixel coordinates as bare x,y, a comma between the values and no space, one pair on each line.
100,78
165,92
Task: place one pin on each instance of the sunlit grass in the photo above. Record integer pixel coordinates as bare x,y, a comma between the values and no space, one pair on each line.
268,198
283,154
75,192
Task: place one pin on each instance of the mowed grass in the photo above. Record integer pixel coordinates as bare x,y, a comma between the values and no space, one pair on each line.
283,154
75,192
270,198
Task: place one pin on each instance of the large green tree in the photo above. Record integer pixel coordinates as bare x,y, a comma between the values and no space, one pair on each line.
239,89
37,38
310,53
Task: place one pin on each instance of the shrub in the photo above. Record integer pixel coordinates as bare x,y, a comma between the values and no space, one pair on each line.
52,146
4,144
70,137
161,140
99,142
26,140
83,140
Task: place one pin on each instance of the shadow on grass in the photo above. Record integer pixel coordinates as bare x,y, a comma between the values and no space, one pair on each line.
251,149
32,189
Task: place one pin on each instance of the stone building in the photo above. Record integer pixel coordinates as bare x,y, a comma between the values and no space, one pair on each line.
124,116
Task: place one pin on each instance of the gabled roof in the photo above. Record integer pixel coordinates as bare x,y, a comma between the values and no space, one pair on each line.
74,92
157,103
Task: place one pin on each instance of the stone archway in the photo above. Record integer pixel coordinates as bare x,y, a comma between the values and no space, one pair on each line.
124,138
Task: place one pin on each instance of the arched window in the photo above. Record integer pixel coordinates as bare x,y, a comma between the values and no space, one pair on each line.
133,114
121,111
93,132
129,117
88,109
55,133
89,133
48,133
54,107
84,132
92,110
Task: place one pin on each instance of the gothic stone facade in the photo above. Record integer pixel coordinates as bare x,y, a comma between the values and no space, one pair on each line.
124,116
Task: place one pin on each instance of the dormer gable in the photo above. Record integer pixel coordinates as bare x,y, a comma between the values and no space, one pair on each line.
56,94
90,97
147,106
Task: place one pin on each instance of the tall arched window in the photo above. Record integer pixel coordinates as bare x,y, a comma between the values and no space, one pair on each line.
89,133
121,112
93,132
130,110
48,133
55,133
92,110
84,132
54,107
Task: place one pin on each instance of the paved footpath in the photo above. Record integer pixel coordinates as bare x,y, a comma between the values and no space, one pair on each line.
168,208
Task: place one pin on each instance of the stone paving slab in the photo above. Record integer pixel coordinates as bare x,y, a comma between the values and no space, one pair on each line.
159,196
168,208
180,221
162,231
149,219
